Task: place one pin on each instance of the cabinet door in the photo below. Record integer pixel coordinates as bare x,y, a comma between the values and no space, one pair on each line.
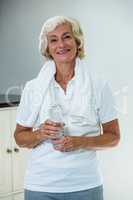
5,153
19,158
18,196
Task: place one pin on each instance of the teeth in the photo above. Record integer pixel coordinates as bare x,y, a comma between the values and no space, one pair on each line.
63,51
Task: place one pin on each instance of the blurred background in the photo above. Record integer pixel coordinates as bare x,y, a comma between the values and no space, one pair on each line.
108,30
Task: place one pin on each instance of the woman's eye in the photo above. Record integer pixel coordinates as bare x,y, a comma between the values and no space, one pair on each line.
67,37
53,40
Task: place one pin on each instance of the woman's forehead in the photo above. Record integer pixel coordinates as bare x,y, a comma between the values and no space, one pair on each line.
61,28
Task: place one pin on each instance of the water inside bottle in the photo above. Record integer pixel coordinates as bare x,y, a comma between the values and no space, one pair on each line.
56,115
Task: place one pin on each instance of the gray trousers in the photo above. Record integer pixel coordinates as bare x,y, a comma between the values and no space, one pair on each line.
90,194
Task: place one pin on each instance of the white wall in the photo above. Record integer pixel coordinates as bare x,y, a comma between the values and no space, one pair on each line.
108,27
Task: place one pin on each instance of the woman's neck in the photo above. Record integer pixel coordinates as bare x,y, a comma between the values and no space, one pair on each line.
64,72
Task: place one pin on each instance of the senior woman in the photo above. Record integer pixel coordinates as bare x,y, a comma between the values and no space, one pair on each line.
65,166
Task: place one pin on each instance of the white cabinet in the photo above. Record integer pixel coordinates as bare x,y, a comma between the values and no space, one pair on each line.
12,159
19,196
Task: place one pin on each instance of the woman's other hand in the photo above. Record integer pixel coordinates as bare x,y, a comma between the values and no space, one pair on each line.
69,143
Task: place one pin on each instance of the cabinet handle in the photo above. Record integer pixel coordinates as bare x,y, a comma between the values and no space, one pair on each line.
16,150
9,151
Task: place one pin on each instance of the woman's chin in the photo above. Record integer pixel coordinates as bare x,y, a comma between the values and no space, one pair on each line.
64,59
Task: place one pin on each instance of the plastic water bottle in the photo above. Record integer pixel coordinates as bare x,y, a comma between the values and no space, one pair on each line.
56,115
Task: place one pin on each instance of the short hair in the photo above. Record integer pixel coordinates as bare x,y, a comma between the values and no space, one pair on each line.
51,24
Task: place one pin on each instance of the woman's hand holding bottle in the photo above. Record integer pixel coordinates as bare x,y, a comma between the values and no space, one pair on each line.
50,129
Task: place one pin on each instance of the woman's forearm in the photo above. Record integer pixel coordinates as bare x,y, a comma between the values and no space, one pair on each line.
28,139
101,142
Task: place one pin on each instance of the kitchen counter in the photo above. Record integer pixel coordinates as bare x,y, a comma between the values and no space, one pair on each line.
9,100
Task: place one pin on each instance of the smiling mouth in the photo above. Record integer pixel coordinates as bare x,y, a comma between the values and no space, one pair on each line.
63,51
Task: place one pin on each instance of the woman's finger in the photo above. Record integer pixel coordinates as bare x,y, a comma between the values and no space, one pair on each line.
49,132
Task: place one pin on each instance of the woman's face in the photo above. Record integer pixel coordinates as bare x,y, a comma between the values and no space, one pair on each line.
61,44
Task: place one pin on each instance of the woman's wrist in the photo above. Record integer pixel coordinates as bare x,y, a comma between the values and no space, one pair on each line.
38,136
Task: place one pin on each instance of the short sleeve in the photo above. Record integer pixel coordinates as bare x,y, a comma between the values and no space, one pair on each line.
107,108
23,116
23,108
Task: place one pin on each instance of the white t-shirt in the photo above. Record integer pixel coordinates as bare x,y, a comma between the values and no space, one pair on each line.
50,170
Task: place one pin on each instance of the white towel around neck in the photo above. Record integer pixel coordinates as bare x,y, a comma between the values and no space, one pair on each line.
36,91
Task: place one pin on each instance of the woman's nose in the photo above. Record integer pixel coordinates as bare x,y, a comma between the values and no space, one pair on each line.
61,43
